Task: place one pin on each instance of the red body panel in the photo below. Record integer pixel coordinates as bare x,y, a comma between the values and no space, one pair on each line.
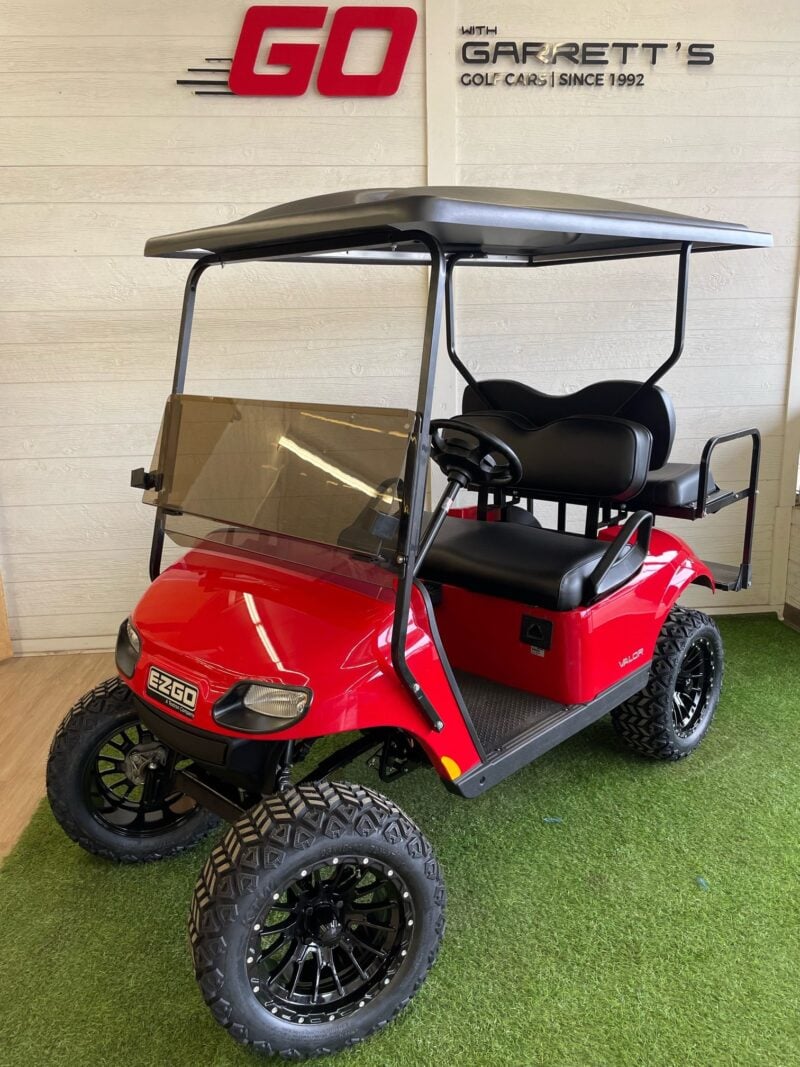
591,648
217,617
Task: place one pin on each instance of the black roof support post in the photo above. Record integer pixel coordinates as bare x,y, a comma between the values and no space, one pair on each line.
450,327
680,315
415,480
187,315
680,329
178,382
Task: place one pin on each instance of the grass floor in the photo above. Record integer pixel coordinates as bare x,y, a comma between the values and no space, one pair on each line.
655,923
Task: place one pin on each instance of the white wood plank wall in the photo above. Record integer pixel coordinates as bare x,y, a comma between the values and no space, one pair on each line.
793,577
100,149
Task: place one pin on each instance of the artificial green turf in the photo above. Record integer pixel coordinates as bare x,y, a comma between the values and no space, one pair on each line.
655,924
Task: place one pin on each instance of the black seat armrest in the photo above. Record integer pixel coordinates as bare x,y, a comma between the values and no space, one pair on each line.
641,524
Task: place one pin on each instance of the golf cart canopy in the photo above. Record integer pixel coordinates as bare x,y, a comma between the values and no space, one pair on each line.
493,225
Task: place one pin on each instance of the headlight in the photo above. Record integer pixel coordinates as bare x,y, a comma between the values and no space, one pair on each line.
279,703
129,648
133,637
258,708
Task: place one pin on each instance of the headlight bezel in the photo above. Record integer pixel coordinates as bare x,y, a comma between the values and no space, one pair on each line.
231,712
128,650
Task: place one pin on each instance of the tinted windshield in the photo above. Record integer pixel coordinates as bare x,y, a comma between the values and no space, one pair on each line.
326,474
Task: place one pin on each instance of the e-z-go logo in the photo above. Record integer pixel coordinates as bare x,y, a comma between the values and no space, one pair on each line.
294,62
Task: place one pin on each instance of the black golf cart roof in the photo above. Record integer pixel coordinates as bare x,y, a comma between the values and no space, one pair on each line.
502,224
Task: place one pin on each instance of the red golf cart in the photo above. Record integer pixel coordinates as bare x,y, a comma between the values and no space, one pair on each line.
323,593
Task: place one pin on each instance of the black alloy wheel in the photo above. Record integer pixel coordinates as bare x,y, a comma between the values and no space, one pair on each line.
108,782
331,939
127,783
693,686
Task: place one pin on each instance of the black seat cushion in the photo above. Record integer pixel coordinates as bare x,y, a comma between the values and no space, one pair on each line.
645,404
674,485
541,567
595,458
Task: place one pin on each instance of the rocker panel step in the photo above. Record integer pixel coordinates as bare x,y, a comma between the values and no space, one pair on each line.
499,713
541,724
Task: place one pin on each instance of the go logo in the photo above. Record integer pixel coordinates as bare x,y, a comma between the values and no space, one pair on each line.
246,79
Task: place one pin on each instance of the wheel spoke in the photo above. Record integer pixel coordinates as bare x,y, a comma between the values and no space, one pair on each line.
317,976
153,788
367,946
348,949
272,948
125,784
287,959
299,970
347,880
364,891
365,922
279,927
334,973
366,909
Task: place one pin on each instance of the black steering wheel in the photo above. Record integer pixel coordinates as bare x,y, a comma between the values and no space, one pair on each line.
471,455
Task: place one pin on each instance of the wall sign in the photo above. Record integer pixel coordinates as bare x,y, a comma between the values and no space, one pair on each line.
260,47
491,61
265,65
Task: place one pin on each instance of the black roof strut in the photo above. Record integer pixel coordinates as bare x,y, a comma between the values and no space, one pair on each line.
658,373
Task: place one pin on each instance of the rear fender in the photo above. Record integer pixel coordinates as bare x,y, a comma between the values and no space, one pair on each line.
688,570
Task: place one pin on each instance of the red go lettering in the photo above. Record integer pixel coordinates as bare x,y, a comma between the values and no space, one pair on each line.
400,22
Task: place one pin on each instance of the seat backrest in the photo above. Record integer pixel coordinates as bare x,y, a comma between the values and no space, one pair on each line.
647,405
596,458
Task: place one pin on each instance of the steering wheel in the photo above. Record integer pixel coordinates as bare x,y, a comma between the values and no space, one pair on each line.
471,455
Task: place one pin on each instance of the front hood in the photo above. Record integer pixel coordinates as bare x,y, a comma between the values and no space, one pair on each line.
217,616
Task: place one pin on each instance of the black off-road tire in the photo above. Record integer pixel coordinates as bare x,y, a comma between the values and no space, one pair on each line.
73,752
274,843
650,722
